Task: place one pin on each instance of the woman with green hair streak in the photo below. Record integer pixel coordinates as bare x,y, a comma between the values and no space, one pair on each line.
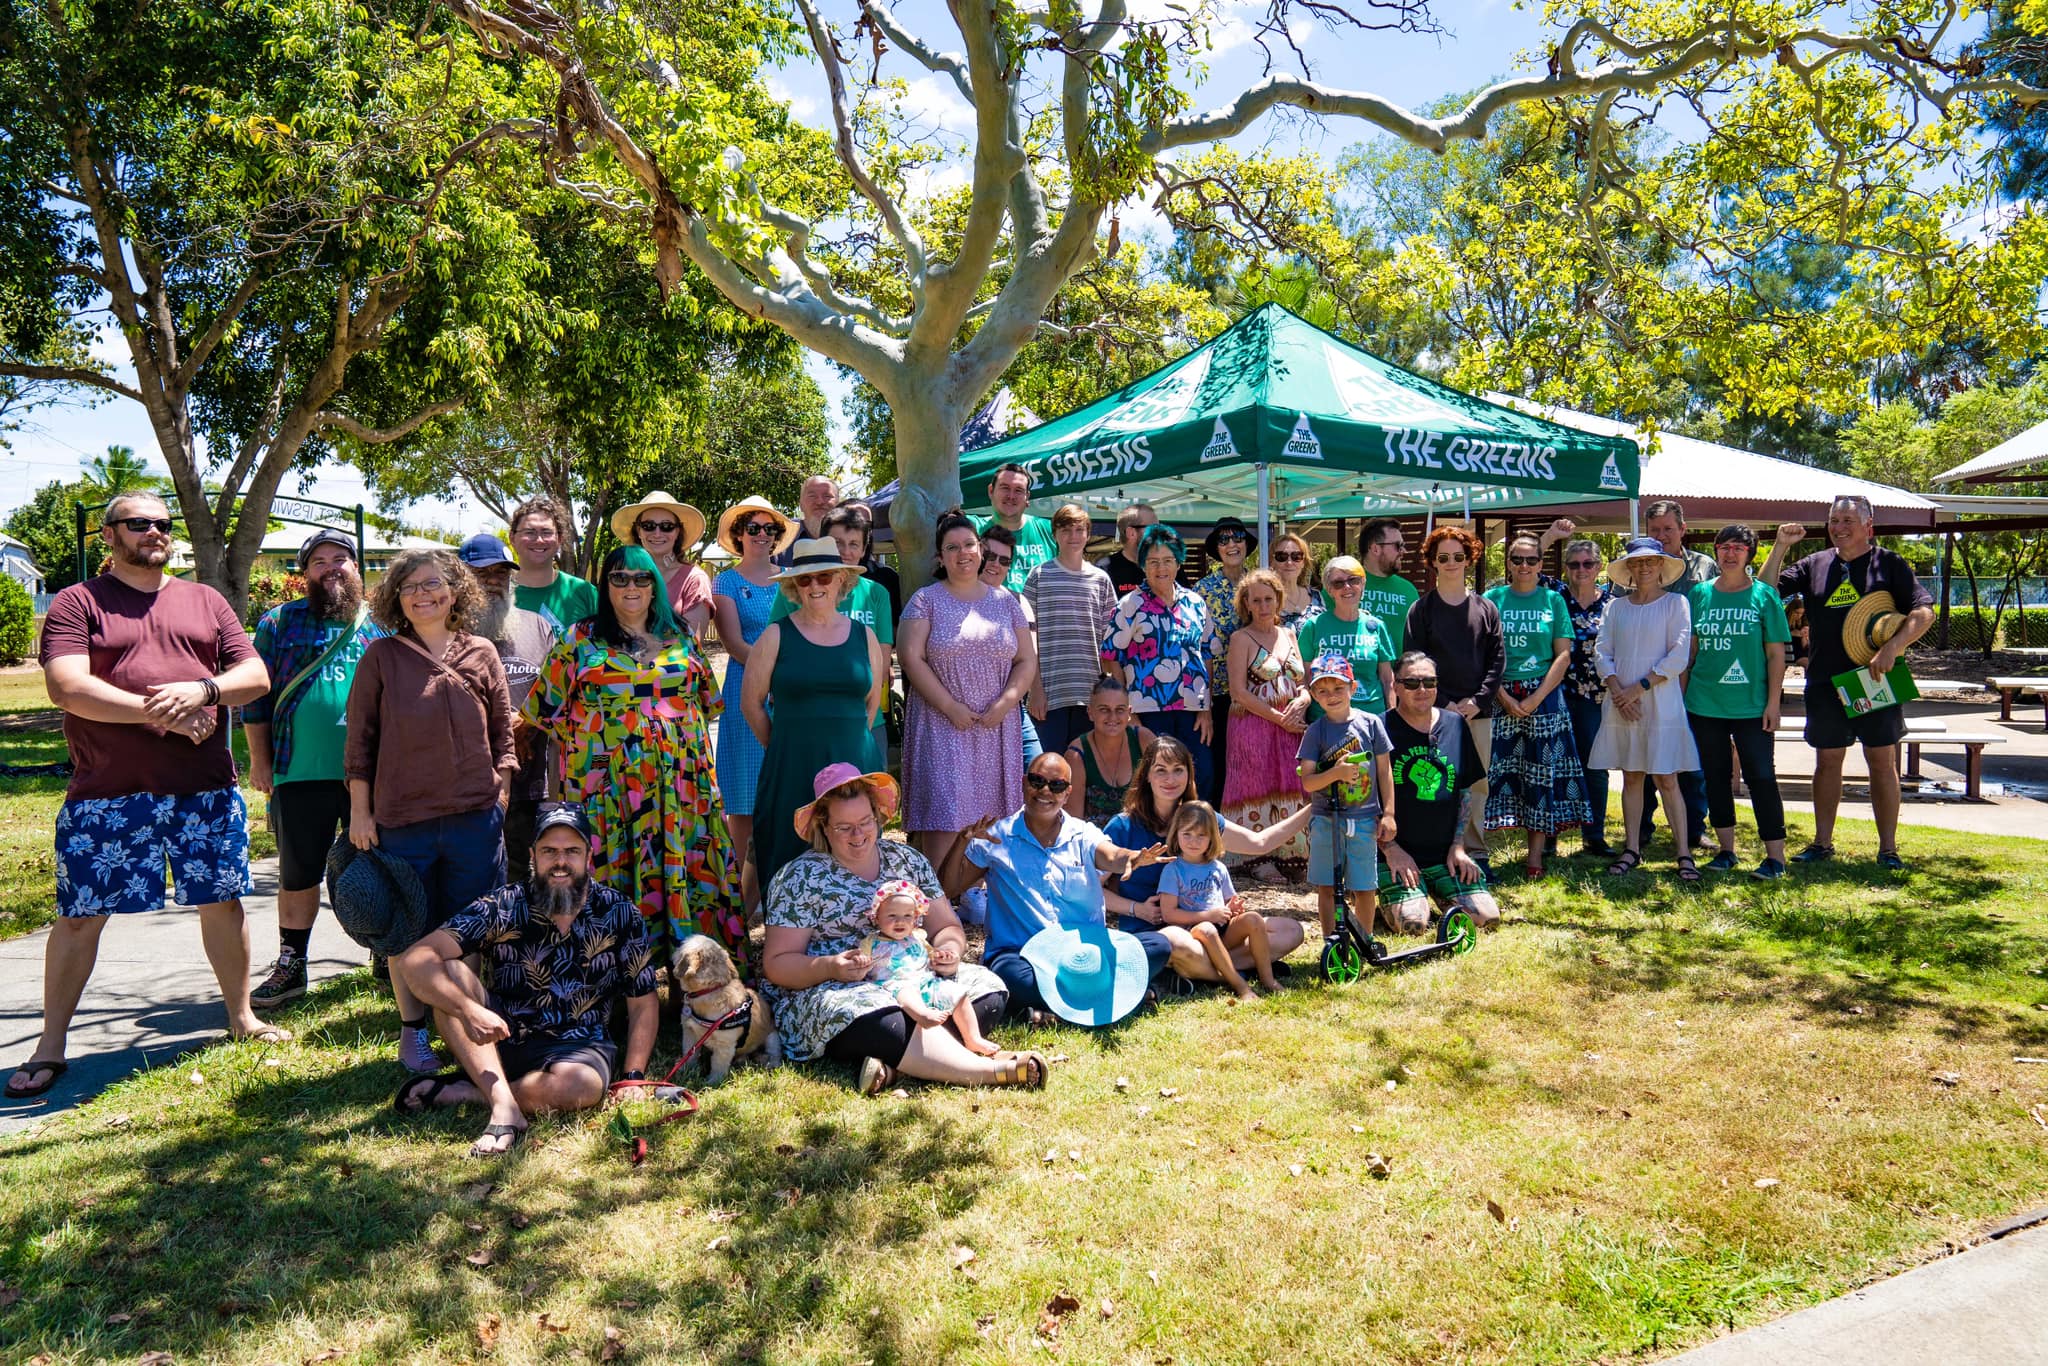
628,696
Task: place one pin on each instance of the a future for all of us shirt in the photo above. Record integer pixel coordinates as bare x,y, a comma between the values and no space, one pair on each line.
866,602
1729,632
1389,599
1529,624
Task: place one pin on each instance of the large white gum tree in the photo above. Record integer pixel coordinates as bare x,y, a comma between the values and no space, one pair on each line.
1077,105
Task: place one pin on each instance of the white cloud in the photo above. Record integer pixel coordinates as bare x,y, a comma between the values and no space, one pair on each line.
932,102
806,105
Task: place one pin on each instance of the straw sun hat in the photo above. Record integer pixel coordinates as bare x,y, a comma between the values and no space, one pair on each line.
628,517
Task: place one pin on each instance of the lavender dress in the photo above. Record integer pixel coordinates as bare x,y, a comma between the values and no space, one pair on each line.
952,778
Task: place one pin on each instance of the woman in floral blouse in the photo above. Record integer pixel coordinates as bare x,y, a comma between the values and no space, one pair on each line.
1586,595
1160,643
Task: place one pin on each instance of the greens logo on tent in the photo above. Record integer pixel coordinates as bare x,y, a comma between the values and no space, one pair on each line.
1610,476
1303,443
1221,446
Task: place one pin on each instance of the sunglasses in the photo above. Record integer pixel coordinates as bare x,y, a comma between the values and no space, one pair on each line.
1582,564
630,578
1346,583
661,528
1231,537
806,580
1458,558
999,561
1288,557
1038,782
138,525
759,528
1525,559
1418,684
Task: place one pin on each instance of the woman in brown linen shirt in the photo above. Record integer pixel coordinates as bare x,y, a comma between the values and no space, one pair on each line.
430,758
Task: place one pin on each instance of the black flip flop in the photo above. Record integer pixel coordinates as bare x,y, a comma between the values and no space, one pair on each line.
518,1132
32,1066
424,1092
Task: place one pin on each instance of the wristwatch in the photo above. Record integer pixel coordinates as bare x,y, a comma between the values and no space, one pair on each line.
633,1074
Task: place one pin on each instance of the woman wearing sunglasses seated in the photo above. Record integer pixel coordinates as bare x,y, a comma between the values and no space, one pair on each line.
627,696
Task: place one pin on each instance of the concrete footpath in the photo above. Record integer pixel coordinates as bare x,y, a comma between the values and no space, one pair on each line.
152,995
1984,1306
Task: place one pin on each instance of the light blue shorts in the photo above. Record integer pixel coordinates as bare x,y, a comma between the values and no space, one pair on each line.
1361,851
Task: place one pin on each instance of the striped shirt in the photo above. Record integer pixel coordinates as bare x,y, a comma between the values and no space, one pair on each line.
1073,610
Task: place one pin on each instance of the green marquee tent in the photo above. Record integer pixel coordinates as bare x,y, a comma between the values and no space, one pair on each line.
1275,411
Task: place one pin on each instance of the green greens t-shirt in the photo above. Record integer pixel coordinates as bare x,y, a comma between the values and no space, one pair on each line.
867,602
319,721
561,604
1035,546
1364,642
1389,599
1729,631
1529,622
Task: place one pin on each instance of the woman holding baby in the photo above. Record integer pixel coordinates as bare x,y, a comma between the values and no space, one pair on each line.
835,995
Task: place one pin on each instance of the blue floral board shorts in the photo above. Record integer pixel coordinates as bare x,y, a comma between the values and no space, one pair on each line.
112,851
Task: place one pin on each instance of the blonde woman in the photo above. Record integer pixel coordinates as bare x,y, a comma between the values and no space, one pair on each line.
827,674
1292,563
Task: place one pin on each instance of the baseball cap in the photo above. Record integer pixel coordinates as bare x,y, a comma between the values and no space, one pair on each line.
483,550
326,536
551,814
1330,664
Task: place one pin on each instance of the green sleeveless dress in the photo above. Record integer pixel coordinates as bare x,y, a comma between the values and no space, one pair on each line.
818,703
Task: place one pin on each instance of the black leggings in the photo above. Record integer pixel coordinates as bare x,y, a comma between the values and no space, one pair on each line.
1757,749
885,1033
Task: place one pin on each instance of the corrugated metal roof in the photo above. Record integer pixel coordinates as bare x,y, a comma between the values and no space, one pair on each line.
2030,447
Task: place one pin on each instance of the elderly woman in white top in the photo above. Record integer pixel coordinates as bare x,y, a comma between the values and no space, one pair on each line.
1644,646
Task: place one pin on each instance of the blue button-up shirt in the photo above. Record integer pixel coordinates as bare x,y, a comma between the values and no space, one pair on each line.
1033,887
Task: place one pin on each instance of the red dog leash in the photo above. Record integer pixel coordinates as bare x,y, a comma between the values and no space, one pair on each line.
686,1099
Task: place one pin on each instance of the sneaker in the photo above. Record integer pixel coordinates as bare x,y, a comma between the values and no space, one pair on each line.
1722,862
1890,861
286,982
416,1052
1814,853
1770,870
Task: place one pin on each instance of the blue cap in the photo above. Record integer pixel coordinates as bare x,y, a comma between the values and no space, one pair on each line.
483,550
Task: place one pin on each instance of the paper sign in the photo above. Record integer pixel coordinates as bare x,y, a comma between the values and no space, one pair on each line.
1861,694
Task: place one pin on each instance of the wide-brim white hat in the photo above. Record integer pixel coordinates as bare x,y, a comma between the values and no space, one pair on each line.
752,503
1644,548
624,520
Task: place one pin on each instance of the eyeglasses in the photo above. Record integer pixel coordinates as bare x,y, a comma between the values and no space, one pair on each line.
420,586
760,528
1346,583
630,578
537,533
807,580
1582,564
661,528
138,525
1288,557
1419,684
1458,558
1525,559
847,831
1392,545
1038,782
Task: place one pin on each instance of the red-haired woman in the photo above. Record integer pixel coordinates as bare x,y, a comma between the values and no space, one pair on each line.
1460,632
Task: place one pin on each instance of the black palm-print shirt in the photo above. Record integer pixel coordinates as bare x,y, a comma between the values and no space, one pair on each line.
553,984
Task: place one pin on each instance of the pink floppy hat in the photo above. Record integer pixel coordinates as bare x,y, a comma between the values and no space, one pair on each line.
835,776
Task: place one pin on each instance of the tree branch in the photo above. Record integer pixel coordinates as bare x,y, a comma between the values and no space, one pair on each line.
328,420
949,64
66,374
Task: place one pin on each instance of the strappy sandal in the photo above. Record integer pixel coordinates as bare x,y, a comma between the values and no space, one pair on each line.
56,1068
1624,865
876,1076
1688,871
418,1095
1029,1070
516,1131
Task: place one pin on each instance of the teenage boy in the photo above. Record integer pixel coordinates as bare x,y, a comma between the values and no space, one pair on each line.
539,527
1344,768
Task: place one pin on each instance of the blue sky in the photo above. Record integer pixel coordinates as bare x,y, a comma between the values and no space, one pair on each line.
1482,39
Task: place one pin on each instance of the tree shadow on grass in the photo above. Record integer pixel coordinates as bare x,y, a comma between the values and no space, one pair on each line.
208,1223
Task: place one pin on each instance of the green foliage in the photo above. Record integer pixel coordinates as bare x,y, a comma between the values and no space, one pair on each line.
269,586
17,621
2025,628
46,525
120,470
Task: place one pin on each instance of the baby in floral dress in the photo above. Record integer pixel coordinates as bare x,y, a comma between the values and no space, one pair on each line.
901,960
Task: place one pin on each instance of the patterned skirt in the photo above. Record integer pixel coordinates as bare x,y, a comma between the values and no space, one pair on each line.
1535,781
1260,785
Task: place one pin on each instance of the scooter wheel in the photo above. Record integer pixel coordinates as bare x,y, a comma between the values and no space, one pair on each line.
1342,963
1457,930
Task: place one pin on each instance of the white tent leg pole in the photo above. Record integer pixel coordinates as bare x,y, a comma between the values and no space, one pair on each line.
1634,517
1467,491
1265,506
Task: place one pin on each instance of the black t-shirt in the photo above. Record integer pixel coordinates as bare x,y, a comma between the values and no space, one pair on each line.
1831,586
1429,772
1123,574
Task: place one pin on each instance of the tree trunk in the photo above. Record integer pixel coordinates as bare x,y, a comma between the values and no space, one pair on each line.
928,468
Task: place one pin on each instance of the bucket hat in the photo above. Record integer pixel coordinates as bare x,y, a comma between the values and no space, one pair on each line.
1643,548
377,898
839,775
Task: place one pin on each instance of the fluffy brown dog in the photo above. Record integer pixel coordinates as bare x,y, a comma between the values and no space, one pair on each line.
711,991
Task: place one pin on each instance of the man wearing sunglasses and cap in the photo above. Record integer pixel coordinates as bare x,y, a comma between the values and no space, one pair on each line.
532,1033
297,732
144,667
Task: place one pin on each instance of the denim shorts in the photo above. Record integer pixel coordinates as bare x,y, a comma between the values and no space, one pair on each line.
1361,851
112,851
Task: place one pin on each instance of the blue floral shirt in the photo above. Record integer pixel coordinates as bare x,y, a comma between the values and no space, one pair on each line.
1219,595
1160,650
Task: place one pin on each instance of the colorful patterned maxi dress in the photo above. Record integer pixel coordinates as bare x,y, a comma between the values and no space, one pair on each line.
636,745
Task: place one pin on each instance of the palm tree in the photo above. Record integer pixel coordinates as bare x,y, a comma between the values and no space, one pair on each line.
119,471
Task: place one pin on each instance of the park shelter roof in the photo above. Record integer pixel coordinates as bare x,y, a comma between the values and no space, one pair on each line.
2030,447
1719,483
1342,432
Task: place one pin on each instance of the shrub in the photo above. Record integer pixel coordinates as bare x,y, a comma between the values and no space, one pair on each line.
17,621
1966,631
2026,627
269,586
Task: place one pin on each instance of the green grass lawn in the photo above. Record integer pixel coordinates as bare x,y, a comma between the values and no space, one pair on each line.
1691,1111
29,734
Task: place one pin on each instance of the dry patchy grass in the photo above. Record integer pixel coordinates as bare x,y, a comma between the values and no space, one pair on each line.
1616,1071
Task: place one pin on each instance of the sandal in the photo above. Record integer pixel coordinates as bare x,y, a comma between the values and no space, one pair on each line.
1688,871
876,1076
517,1132
417,1095
1028,1070
1624,865
1532,872
56,1069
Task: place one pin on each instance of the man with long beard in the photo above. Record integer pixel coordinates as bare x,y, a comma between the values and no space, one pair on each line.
531,1034
523,639
144,667
296,734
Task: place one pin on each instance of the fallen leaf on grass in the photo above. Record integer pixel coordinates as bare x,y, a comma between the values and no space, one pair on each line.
521,1220
116,1320
1948,1078
478,1192
1123,1083
325,1354
1378,1167
474,1226
1143,1110
1058,1058
962,1255
1392,1084
480,1258
1500,1216
718,1244
1052,1155
1358,1128
196,1077
1601,959
273,1062
547,1326
722,1216
1168,1092
1294,1169
1764,1183
117,1121
1073,1154
1107,1310
614,1345
1061,1305
155,1359
2037,1061
487,1333
985,1324
1153,1276
900,1094
790,1195
2036,1113
9,1295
